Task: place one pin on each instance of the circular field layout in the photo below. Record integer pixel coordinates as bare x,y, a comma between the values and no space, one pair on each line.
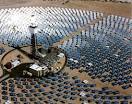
98,48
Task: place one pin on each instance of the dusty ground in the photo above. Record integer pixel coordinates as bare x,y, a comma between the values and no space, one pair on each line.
122,9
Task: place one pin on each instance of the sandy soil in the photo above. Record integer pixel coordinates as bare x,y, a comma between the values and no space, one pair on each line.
122,9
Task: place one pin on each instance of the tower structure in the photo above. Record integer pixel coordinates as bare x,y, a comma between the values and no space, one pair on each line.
33,40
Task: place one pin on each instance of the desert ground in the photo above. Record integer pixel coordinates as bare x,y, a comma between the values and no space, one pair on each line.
121,9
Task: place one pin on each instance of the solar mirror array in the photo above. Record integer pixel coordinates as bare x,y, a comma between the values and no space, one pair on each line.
97,46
